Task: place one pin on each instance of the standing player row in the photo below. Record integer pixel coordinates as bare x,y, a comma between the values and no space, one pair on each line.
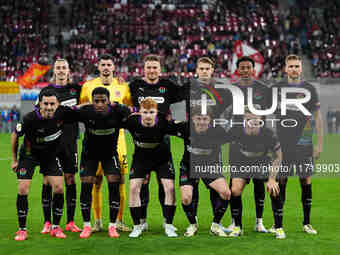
165,93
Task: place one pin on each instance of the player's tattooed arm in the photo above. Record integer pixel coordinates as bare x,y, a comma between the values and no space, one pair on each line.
272,185
277,159
319,132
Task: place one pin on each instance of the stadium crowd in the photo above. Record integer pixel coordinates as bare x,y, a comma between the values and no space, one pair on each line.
179,30
24,36
180,33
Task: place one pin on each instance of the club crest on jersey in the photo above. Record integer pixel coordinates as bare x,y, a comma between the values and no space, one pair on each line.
73,92
59,123
22,171
258,95
184,178
162,89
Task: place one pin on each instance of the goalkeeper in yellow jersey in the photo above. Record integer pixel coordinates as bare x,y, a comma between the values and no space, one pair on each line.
120,92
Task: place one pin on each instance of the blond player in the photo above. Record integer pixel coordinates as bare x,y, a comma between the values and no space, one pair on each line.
119,92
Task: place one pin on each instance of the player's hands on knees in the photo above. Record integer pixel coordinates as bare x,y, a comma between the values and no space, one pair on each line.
273,187
14,165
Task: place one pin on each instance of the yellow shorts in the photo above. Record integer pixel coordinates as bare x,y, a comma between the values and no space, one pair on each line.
122,154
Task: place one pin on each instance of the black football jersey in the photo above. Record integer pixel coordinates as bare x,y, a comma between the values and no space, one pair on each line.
295,128
218,99
164,92
101,130
41,136
68,96
252,147
151,138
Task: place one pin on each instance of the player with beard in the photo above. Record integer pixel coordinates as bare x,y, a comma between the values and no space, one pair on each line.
217,99
68,95
42,133
296,139
120,92
148,129
261,98
165,93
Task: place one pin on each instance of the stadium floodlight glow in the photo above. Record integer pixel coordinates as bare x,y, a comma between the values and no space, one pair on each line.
295,104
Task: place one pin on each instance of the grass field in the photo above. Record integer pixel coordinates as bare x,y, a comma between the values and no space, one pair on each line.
325,218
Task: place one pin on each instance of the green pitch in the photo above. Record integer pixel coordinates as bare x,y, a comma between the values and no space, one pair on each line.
325,218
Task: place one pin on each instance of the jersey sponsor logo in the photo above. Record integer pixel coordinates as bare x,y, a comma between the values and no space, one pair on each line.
199,102
199,151
109,131
146,145
117,93
159,100
162,90
69,102
251,154
52,137
19,127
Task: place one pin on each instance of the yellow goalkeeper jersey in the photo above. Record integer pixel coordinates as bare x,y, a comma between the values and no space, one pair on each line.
119,92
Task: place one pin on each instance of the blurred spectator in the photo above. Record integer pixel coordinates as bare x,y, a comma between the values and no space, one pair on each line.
14,117
5,119
330,117
337,121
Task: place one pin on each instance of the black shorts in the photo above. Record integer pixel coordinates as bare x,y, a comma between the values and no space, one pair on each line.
299,163
49,166
302,168
185,179
110,166
208,181
144,163
68,156
184,175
